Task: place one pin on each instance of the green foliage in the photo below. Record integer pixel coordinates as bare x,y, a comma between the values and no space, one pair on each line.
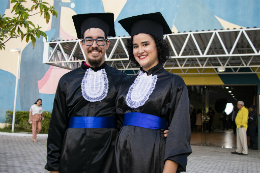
20,26
21,121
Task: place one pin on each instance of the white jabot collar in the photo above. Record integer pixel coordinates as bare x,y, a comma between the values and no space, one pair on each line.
94,85
140,90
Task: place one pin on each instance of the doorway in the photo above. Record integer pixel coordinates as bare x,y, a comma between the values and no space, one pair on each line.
220,131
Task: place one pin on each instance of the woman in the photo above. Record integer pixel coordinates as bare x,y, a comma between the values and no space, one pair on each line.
199,119
151,102
35,116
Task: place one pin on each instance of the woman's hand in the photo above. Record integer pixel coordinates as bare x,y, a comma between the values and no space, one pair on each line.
42,118
170,167
165,133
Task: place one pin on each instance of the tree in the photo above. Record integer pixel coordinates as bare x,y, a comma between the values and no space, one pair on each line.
19,24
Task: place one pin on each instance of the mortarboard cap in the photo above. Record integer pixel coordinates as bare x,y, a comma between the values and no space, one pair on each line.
152,23
104,21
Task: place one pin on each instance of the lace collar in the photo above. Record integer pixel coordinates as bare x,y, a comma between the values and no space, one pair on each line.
84,67
153,70
94,85
140,91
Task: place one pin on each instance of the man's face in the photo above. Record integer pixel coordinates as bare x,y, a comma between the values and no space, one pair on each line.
251,109
95,54
239,106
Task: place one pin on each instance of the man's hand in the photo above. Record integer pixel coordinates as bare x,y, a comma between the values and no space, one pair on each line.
54,172
165,133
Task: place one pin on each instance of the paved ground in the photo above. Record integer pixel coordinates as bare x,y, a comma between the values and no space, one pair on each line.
206,159
18,154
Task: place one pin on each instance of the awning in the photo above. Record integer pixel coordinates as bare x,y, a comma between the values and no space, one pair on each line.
204,52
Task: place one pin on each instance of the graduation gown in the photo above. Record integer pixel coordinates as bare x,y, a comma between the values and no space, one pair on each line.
82,150
145,150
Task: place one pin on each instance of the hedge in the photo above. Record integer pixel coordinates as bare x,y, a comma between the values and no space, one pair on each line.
21,121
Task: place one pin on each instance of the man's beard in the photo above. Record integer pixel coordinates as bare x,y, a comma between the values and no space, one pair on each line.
95,62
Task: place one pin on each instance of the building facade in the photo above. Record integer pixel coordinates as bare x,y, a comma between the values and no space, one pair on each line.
39,80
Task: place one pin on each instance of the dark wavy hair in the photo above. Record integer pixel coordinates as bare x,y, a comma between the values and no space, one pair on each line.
37,101
161,45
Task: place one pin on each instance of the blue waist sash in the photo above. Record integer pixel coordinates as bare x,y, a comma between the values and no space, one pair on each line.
92,122
144,120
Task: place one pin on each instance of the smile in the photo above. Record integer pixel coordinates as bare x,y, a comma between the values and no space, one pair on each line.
94,52
142,57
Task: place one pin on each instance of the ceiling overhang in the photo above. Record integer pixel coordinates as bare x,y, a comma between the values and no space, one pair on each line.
206,52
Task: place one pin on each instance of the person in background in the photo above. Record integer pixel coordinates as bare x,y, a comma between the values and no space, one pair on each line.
204,122
241,122
35,117
199,119
190,112
224,120
233,117
193,120
191,109
252,128
230,120
211,116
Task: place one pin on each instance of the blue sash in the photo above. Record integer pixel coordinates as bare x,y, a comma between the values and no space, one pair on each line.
92,122
144,120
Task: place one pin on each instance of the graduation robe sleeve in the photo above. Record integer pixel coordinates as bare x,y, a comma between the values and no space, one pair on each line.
178,139
119,118
58,125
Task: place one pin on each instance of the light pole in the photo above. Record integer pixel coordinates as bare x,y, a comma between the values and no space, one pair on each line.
16,83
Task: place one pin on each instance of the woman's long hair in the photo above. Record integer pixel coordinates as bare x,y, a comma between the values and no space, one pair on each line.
37,101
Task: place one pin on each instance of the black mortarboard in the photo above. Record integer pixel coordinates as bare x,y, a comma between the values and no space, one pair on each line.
152,23
104,21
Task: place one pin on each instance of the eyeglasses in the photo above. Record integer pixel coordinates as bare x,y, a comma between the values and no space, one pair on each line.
89,41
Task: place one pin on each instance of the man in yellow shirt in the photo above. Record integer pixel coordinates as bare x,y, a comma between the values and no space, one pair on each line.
241,123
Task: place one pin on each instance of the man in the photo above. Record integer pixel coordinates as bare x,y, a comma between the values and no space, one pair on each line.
233,117
252,128
82,129
211,116
224,120
241,122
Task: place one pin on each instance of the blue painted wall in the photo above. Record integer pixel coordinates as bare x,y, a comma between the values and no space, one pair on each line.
7,88
240,12
169,9
5,4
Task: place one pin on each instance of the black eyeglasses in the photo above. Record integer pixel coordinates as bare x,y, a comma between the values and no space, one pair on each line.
89,41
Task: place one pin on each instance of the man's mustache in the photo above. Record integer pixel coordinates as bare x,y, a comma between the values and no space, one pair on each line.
95,48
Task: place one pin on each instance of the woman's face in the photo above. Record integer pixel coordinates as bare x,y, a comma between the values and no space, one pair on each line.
39,102
145,51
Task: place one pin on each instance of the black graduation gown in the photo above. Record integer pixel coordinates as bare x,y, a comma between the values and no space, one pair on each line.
82,150
142,150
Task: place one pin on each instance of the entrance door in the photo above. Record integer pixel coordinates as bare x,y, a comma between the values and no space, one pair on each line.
217,129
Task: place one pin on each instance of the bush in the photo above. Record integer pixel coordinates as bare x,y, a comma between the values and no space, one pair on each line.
21,121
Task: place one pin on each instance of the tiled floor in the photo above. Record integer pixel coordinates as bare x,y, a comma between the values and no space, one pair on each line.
19,154
226,139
